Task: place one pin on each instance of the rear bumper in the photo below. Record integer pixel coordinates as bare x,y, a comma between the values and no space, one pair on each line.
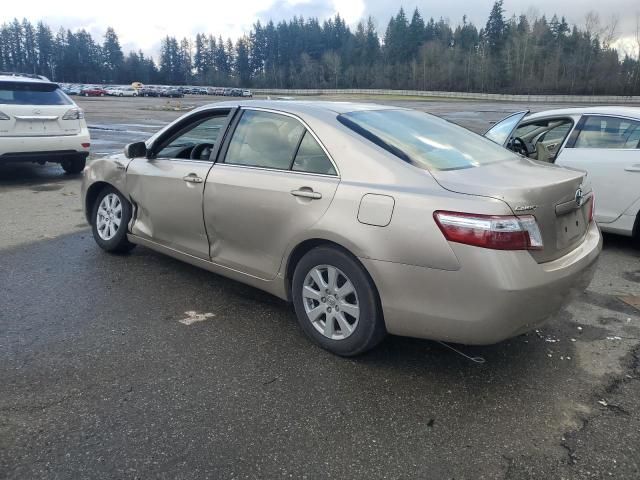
494,296
44,149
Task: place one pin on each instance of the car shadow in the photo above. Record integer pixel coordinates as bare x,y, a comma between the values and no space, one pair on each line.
620,242
18,174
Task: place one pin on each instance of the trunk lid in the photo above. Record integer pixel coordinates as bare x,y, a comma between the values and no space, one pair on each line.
30,108
543,190
37,121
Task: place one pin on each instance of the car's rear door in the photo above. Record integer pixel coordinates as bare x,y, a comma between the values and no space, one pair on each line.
166,189
608,148
272,181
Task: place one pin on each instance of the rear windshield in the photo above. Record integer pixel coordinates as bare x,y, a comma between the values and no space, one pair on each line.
24,93
425,140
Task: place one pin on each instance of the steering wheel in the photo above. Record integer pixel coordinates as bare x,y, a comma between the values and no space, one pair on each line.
200,150
518,145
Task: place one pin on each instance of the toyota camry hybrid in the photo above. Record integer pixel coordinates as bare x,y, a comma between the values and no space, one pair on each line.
370,219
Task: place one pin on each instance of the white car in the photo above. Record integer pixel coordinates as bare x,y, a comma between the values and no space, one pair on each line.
125,92
40,123
603,141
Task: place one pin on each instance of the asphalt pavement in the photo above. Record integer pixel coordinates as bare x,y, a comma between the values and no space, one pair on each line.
139,366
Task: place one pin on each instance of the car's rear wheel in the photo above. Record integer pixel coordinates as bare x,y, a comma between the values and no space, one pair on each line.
73,166
110,216
336,302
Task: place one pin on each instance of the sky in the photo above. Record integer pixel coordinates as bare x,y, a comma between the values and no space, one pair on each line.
142,24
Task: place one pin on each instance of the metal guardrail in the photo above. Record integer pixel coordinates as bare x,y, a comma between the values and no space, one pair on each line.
600,99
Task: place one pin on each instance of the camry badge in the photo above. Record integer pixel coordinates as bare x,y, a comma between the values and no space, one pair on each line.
524,208
579,197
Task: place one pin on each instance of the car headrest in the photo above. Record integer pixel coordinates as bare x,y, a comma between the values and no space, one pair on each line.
265,137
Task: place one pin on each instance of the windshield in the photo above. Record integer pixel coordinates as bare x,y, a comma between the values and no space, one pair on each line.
425,140
24,93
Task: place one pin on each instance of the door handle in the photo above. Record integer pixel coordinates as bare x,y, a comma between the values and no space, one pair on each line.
306,193
192,178
633,168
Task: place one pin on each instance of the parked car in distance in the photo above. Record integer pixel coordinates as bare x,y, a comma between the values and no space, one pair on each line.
125,92
373,219
93,92
172,93
148,92
71,89
247,93
39,123
602,141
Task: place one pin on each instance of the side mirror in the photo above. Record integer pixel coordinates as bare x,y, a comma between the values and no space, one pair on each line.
135,150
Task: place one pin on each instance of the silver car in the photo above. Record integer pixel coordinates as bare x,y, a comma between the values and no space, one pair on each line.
370,219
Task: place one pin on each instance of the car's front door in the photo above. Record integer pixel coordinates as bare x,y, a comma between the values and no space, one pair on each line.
501,132
273,181
608,148
166,189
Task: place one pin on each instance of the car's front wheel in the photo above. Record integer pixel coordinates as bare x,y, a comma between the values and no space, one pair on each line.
110,216
336,302
73,166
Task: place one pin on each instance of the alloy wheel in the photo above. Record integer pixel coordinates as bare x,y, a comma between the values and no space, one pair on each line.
330,302
109,216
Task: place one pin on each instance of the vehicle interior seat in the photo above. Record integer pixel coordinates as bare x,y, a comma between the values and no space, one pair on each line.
542,154
266,147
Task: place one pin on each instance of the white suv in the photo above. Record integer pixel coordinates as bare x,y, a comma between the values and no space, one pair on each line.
40,123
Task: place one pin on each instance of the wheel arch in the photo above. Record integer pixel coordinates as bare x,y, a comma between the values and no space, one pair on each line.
302,248
92,195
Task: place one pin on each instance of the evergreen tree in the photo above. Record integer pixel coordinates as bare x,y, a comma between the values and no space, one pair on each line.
112,56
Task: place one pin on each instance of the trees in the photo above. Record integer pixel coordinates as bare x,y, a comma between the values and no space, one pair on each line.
113,57
516,54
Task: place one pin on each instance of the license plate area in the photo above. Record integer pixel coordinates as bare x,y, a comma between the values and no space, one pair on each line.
570,228
25,127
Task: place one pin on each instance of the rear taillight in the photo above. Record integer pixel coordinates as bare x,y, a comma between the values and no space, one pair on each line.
4,116
73,114
499,232
592,207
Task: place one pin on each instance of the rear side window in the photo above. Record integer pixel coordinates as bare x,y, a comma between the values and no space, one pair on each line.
264,139
424,140
311,158
25,93
608,132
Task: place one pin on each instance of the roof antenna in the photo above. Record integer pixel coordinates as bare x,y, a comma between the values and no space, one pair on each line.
479,360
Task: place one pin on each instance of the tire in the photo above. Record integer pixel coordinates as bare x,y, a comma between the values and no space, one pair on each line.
74,166
106,238
635,233
347,335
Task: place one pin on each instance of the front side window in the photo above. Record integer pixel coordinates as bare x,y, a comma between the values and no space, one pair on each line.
425,140
608,132
264,139
27,93
198,139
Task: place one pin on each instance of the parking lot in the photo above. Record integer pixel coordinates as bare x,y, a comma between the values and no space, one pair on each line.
100,378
